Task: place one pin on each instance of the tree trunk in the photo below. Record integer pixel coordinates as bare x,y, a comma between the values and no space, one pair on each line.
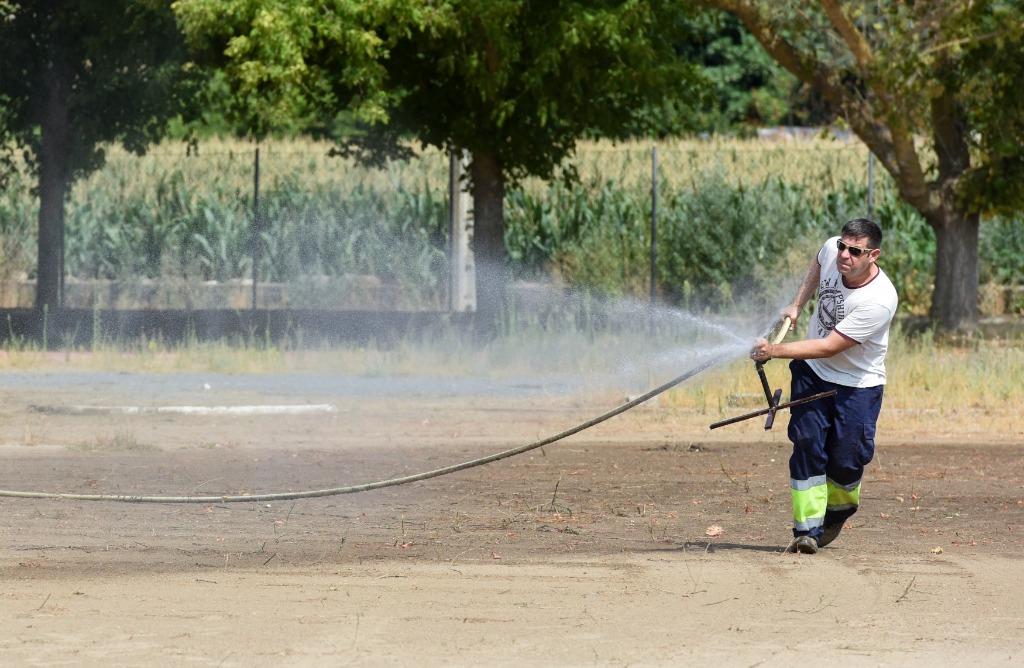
955,298
490,255
55,136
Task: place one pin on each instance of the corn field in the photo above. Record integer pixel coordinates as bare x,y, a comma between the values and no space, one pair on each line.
732,215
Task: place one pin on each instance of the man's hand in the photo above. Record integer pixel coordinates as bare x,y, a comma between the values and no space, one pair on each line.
792,312
760,352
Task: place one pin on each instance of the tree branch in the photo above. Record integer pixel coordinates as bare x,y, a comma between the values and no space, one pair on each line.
879,124
951,149
855,41
913,184
818,75
965,41
810,71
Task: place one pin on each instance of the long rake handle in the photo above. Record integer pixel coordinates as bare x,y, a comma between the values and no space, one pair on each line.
765,411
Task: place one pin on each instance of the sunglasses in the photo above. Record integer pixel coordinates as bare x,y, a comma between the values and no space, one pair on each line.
855,251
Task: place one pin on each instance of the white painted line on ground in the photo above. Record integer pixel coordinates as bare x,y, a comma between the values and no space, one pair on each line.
301,409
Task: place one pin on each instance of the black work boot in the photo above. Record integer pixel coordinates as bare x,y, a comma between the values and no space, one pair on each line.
803,545
829,533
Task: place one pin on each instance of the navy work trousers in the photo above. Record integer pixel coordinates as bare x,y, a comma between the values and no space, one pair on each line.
833,439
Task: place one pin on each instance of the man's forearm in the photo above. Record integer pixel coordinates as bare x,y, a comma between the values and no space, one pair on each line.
807,349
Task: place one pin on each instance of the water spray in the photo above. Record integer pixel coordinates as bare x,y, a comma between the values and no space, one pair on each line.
772,398
713,358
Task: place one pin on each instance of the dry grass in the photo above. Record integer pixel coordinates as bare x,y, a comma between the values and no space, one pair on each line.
925,378
122,441
821,164
927,383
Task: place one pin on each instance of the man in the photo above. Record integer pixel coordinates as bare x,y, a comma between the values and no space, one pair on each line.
845,351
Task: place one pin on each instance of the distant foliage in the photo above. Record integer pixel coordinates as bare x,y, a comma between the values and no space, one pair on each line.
18,213
716,240
748,88
1002,248
734,218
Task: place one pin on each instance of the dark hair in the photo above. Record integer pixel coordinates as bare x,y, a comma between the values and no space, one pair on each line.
862,227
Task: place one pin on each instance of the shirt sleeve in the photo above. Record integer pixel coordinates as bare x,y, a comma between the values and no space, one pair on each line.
864,321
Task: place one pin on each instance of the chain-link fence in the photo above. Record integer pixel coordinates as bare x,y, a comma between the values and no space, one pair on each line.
229,225
277,226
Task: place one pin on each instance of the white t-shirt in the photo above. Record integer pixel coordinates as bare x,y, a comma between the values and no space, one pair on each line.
861,314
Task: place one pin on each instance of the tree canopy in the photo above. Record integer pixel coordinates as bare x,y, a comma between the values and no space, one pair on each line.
76,76
525,81
515,83
748,88
121,61
932,89
520,79
295,66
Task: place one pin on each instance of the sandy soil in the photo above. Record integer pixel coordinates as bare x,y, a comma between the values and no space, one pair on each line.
592,551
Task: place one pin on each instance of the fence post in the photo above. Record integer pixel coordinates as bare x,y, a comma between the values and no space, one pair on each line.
871,185
461,267
654,223
63,266
256,245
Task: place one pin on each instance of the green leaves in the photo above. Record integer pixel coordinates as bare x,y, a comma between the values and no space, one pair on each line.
120,62
170,218
520,80
292,64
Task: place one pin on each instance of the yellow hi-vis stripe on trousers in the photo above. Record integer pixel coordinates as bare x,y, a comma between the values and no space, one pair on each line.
843,497
809,500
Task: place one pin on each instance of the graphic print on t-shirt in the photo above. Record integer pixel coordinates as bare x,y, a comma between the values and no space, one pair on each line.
831,307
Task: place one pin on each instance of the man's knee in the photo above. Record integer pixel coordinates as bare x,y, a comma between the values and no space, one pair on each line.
854,446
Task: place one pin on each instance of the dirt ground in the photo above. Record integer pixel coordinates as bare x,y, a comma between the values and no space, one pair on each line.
595,550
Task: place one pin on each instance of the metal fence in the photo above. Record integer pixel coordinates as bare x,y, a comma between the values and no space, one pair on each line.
232,225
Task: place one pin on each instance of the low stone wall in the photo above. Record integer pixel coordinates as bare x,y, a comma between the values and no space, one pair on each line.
343,293
352,292
1001,299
